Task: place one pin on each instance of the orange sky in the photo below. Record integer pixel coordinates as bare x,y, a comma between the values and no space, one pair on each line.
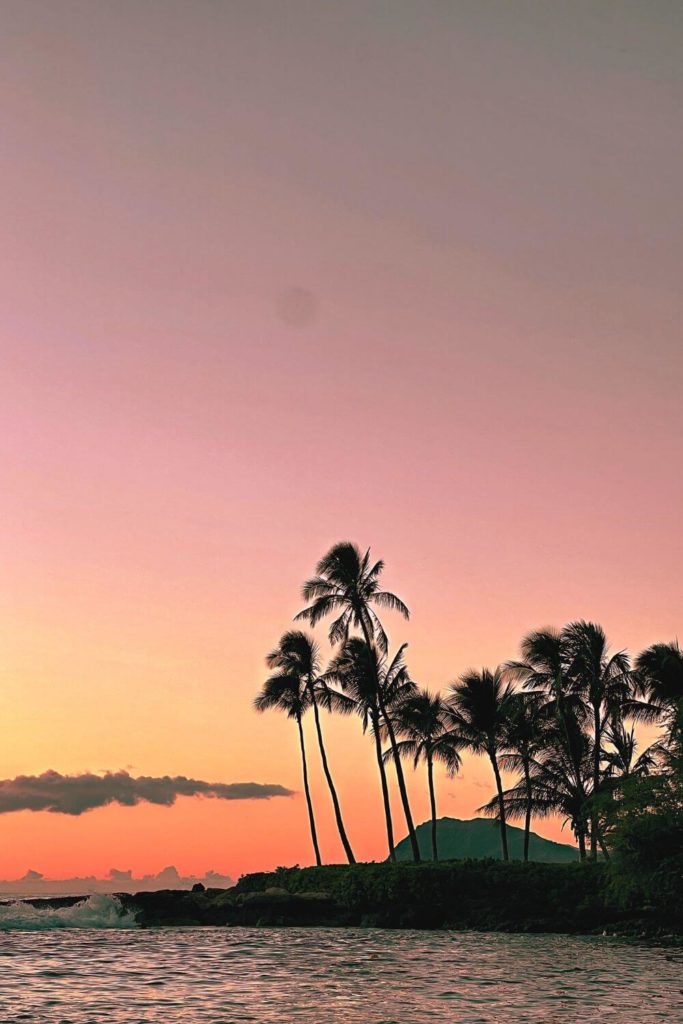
279,275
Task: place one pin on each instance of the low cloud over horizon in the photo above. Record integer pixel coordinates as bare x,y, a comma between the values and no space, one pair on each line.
35,883
76,794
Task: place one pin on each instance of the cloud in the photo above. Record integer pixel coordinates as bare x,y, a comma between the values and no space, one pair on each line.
75,794
34,883
120,876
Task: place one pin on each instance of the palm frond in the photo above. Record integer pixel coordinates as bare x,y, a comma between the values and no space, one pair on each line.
387,600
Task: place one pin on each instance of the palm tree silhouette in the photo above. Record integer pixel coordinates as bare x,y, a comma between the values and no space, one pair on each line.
346,582
556,788
659,687
525,734
373,685
420,719
298,656
289,694
622,759
477,710
603,682
544,670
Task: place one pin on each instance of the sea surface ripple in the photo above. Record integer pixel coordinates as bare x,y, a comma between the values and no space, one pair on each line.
325,976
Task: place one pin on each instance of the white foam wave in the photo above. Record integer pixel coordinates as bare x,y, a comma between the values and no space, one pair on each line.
97,911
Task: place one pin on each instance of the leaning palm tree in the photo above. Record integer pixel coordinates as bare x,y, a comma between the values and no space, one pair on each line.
346,583
477,710
420,719
603,681
375,686
659,687
525,734
298,656
289,694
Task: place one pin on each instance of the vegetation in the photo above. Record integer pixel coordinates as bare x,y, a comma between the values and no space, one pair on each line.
422,721
560,719
482,894
477,713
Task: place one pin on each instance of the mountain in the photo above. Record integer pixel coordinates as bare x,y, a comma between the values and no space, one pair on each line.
479,838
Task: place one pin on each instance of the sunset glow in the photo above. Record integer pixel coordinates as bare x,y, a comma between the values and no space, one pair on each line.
254,304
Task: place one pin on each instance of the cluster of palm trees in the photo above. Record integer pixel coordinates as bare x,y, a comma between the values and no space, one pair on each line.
561,718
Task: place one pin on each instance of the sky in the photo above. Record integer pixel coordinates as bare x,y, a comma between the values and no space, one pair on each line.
278,275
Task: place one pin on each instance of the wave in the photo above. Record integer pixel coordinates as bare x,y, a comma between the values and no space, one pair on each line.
97,911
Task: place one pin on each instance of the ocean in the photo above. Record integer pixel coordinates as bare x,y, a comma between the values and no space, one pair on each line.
90,964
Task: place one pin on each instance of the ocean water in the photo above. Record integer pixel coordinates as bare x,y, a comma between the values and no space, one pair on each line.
91,965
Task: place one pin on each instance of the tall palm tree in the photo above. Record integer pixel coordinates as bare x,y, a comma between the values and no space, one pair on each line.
603,682
525,734
420,719
347,583
290,695
298,656
373,685
477,710
659,687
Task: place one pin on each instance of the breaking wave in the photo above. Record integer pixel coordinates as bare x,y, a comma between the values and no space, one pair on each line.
97,911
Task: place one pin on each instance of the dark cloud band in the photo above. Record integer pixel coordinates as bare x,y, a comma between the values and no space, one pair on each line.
74,794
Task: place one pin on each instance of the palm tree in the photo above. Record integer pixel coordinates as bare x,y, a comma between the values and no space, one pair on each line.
556,788
622,758
372,683
659,685
603,682
347,583
477,710
543,671
420,719
583,683
524,737
297,656
289,694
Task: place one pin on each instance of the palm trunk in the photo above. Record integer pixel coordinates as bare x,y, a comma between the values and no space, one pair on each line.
432,804
574,757
582,844
333,793
603,846
501,805
576,762
527,817
596,781
385,789
397,760
309,803
400,778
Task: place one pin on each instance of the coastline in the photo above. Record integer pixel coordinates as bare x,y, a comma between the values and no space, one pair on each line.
475,895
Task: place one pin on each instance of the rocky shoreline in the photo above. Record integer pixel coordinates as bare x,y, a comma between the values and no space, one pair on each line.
459,895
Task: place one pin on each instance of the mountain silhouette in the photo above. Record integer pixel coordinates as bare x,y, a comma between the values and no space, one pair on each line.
479,838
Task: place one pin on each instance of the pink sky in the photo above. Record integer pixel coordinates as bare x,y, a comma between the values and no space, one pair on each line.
275,275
